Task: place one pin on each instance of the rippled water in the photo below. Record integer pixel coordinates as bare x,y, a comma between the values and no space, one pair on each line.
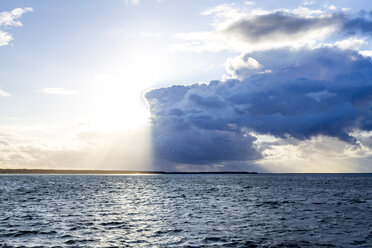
261,210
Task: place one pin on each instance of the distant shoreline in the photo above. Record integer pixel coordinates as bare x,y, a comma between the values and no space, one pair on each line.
109,172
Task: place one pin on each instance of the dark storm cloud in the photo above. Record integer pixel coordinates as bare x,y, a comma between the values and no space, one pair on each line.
326,91
280,25
184,131
361,25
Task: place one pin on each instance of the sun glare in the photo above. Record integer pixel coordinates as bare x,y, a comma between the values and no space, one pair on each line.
120,92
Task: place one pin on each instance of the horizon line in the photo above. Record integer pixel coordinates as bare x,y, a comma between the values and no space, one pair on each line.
88,171
144,172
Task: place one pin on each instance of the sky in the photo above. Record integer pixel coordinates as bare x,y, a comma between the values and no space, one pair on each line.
208,85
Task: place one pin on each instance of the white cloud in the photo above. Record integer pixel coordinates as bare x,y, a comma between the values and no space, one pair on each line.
10,19
320,95
58,91
310,2
135,2
5,38
366,53
332,7
225,14
4,93
132,1
319,154
72,147
242,66
351,43
246,30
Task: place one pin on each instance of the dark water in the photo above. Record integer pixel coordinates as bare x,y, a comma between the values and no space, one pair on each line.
264,210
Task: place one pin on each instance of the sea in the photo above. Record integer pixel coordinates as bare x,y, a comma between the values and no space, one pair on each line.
250,210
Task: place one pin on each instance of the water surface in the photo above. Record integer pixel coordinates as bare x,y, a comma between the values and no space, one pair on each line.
264,210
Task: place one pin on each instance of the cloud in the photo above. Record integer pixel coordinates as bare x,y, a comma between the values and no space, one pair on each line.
318,154
360,24
183,133
73,147
242,66
302,78
135,2
4,93
5,38
193,143
57,91
256,29
281,27
304,94
10,19
309,3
